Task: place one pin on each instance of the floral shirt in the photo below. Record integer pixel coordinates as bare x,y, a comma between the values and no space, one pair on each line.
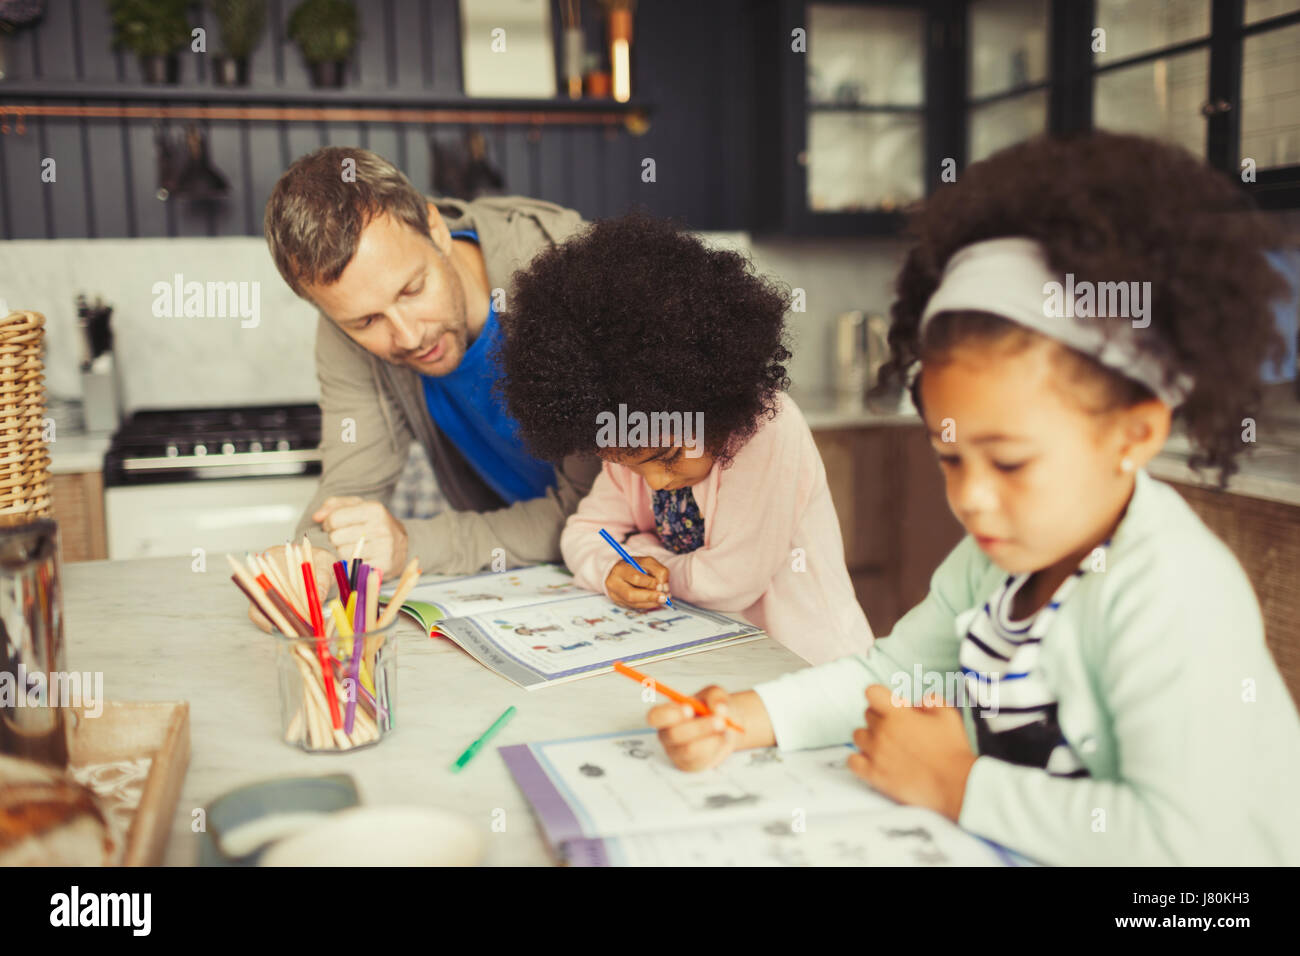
678,520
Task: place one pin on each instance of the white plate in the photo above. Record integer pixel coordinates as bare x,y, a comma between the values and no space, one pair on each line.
382,836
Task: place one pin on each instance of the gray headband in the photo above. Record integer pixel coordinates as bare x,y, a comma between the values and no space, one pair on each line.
1010,278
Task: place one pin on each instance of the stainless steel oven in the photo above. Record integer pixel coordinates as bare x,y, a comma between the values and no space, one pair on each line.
214,479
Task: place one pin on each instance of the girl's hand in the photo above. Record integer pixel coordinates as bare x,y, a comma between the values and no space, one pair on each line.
630,588
691,742
917,755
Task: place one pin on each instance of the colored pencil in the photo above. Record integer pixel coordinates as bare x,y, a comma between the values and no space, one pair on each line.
253,586
267,609
373,585
340,618
629,559
354,667
298,626
318,628
410,577
271,569
341,577
355,563
693,703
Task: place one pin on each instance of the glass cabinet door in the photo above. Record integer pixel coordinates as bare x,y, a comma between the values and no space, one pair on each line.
1135,89
1270,96
865,107
1007,74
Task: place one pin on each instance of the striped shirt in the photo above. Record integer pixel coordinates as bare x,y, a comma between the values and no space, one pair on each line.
1014,705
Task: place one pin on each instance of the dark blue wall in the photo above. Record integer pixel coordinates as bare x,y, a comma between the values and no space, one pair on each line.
690,66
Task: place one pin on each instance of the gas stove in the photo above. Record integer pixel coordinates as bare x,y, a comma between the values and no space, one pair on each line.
214,443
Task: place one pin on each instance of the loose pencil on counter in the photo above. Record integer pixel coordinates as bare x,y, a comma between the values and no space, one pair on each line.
477,745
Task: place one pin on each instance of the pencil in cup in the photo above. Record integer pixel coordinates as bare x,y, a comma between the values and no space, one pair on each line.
304,710
694,703
308,663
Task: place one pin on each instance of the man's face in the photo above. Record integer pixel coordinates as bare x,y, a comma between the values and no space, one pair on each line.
400,298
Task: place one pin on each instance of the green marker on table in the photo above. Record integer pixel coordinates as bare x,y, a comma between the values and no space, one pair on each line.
477,745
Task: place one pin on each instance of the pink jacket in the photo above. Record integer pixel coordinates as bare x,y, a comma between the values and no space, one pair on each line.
772,548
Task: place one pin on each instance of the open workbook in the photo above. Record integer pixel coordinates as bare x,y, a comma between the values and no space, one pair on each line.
535,626
616,800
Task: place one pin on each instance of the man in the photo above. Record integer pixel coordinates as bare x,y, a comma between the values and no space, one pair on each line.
408,290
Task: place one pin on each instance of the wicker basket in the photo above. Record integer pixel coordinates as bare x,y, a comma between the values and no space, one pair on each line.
24,458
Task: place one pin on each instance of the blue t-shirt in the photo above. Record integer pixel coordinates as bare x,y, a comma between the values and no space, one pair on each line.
464,406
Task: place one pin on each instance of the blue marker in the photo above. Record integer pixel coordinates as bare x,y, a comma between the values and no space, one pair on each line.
628,558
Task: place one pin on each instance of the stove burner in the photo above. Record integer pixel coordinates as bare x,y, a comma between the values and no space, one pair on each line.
173,446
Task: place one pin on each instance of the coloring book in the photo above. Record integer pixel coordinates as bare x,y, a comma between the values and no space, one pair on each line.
535,626
616,800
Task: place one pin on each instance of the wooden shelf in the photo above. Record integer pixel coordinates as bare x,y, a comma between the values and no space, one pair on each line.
346,96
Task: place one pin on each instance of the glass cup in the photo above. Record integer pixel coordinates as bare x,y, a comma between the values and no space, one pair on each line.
31,642
359,680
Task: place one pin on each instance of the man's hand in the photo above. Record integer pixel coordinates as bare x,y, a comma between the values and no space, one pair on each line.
348,518
320,567
917,755
630,588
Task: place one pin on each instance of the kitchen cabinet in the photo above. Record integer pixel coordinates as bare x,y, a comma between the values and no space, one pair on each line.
894,518
853,101
886,101
1218,77
1007,74
77,504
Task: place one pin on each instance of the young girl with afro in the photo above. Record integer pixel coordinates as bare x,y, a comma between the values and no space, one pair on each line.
721,498
1087,681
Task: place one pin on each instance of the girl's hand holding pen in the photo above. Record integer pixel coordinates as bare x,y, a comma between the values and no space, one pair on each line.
628,587
691,742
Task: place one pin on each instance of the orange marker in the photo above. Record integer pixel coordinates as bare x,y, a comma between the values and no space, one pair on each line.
696,705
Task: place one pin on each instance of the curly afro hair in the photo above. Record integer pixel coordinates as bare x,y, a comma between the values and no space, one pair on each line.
635,311
1112,207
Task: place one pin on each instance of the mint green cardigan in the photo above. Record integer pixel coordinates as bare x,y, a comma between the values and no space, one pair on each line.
1166,691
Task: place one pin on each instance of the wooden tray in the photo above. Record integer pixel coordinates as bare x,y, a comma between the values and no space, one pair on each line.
129,730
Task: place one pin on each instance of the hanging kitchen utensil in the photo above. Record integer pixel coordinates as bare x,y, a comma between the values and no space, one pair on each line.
166,155
199,179
461,170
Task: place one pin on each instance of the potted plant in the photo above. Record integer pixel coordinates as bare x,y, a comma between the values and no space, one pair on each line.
242,23
326,32
154,30
15,14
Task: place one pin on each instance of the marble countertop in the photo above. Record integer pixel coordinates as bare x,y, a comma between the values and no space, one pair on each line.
1269,469
158,630
73,453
